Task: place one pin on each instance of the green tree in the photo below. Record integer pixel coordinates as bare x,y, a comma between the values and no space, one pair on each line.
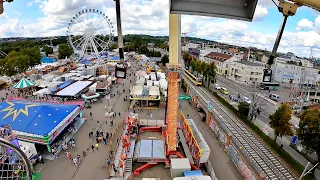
129,47
48,50
198,67
193,64
64,51
143,50
114,46
187,59
211,73
243,109
2,66
309,131
280,121
202,68
34,55
165,60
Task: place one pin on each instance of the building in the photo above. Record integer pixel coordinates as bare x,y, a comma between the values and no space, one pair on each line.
195,52
246,71
205,51
284,70
222,61
231,51
190,45
290,57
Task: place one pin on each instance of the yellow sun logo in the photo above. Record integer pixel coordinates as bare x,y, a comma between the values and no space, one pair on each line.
15,112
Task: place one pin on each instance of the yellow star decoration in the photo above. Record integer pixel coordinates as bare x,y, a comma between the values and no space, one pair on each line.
15,112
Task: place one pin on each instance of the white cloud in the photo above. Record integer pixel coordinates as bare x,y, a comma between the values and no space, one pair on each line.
260,13
151,17
317,24
18,13
304,24
33,2
267,3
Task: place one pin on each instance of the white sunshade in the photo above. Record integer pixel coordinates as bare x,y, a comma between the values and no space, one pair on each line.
136,90
154,91
74,88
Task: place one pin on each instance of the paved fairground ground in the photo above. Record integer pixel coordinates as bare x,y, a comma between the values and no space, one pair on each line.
94,165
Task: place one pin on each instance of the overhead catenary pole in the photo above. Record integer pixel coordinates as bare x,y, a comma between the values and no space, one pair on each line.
119,30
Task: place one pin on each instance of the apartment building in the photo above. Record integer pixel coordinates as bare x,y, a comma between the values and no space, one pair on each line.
246,71
301,72
231,51
222,61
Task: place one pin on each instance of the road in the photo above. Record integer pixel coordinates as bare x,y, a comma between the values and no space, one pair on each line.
269,106
262,159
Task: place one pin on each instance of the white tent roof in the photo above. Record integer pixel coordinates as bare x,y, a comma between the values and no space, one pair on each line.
92,88
136,90
154,91
74,88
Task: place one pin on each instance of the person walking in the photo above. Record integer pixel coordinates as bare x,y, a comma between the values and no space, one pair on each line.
79,158
69,155
74,160
40,159
97,146
84,153
108,162
92,147
104,140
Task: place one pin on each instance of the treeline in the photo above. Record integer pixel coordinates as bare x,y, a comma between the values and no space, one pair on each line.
19,61
207,70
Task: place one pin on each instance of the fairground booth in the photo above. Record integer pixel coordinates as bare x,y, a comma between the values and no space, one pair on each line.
147,97
41,123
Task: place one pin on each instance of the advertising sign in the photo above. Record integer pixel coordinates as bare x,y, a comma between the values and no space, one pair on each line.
190,140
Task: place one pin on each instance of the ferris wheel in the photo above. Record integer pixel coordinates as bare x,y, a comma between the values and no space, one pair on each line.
89,33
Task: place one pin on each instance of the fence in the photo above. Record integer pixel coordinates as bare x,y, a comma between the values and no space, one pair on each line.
110,146
231,147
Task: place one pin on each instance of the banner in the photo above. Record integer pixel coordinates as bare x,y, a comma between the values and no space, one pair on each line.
242,166
190,140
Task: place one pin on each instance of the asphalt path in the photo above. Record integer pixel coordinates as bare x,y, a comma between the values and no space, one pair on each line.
234,88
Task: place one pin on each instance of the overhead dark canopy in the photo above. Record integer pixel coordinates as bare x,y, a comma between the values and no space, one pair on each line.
233,9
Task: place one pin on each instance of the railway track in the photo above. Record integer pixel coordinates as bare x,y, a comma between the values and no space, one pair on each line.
259,156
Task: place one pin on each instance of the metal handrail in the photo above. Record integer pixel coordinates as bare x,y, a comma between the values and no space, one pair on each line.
25,159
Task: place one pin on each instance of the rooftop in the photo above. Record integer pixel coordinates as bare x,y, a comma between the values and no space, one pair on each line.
249,63
218,56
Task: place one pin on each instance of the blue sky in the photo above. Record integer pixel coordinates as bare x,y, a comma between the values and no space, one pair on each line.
51,17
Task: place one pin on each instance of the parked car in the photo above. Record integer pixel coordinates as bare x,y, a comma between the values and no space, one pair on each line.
224,90
234,98
217,86
247,100
274,97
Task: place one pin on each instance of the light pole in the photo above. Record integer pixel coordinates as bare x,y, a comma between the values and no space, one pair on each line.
119,30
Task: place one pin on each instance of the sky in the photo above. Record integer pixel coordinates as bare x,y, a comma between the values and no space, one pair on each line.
35,18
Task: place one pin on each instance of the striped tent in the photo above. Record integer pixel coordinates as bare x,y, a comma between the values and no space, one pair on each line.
23,83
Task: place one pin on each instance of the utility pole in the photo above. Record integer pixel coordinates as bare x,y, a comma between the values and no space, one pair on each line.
311,52
119,30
